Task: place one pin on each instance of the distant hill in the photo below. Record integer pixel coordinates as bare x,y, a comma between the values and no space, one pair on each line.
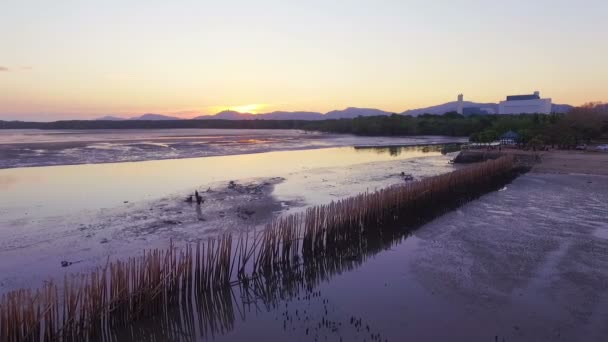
227,115
347,113
489,108
148,116
110,118
353,112
561,108
279,115
151,116
492,108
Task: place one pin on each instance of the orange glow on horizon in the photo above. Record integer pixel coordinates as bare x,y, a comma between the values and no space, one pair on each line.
248,108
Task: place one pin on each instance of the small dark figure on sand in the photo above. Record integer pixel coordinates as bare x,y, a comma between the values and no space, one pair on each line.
199,198
189,199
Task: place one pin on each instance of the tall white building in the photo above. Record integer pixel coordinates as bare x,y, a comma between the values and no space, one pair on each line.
525,104
460,106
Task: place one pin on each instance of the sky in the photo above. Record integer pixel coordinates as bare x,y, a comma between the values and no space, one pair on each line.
83,59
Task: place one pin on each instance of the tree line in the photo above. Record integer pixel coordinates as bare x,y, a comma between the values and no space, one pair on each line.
581,124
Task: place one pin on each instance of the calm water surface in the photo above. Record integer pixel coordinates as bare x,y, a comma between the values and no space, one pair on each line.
26,148
59,190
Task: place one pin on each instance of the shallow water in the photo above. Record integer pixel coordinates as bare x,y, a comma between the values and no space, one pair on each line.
85,213
60,190
26,148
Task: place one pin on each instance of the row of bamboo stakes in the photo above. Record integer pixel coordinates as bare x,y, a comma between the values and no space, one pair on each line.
302,248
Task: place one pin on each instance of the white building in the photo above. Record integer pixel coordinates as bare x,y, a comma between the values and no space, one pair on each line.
523,104
460,105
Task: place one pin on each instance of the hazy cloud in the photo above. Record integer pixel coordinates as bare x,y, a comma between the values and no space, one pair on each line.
23,67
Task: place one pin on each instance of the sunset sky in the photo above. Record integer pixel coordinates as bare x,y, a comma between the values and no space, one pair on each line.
85,59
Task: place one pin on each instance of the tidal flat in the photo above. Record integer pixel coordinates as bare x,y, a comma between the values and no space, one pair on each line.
81,214
528,262
520,264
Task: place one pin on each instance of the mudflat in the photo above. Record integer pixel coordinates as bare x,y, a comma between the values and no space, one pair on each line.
591,163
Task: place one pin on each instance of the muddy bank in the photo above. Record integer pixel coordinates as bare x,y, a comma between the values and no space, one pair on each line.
552,161
225,208
467,157
82,243
527,158
581,162
527,263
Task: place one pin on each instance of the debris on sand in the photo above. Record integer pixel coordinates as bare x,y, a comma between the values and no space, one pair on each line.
236,203
172,222
252,189
407,176
65,263
247,212
244,213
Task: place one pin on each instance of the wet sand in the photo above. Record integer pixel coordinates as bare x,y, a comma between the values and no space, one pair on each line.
553,161
86,241
527,263
580,162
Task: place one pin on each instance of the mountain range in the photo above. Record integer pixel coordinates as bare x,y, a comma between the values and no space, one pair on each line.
350,112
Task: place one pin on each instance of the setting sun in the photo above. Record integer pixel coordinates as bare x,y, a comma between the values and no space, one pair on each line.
248,108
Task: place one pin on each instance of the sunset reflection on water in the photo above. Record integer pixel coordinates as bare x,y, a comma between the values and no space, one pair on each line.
57,190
